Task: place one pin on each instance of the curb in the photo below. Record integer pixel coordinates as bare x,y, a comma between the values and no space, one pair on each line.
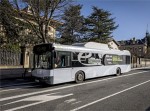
140,68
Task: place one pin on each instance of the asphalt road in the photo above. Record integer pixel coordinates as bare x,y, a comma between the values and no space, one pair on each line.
128,92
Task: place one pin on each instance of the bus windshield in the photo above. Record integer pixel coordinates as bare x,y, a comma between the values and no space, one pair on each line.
43,60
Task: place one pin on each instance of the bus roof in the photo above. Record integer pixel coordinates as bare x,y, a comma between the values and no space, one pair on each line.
86,48
93,45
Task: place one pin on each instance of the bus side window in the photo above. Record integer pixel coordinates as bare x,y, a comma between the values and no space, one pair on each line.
63,59
63,63
75,56
128,59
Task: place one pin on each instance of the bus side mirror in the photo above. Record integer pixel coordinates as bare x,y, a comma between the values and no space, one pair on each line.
55,55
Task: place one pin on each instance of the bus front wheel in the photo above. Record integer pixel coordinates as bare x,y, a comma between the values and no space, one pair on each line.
79,77
118,71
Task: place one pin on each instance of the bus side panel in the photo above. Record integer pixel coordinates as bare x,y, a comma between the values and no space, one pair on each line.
62,75
99,71
110,70
91,72
125,68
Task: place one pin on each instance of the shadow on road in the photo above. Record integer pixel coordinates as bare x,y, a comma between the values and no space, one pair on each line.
147,69
148,109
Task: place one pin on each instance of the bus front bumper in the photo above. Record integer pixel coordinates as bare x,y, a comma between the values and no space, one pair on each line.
47,80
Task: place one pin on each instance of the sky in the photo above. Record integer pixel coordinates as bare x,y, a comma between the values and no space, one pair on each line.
132,16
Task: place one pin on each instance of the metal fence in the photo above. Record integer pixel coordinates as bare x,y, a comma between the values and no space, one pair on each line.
10,58
140,62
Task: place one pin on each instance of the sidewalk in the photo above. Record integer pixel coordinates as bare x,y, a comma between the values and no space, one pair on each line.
13,73
147,67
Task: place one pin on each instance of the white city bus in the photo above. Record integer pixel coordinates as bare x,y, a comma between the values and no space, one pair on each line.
56,63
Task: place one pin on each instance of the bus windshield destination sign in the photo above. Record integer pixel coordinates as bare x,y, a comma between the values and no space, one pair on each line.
40,49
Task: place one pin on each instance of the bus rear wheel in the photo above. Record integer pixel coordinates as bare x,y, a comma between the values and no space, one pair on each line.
118,71
79,77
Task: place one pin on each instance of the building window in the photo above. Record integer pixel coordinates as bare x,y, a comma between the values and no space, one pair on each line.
140,49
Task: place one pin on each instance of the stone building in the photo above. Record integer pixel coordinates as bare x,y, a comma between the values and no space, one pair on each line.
137,47
113,44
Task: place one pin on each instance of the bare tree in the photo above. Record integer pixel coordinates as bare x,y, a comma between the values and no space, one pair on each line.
42,14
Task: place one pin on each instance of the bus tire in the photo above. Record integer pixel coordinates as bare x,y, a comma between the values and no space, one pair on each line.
118,71
79,77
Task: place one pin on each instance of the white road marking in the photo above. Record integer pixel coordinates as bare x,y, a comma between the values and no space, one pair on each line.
76,102
17,84
36,98
19,88
104,98
70,100
9,89
55,89
45,99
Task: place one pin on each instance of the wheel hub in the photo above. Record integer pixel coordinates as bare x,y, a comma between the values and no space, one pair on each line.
80,77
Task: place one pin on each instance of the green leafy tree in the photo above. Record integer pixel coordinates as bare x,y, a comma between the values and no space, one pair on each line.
99,25
42,13
9,23
13,28
73,23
